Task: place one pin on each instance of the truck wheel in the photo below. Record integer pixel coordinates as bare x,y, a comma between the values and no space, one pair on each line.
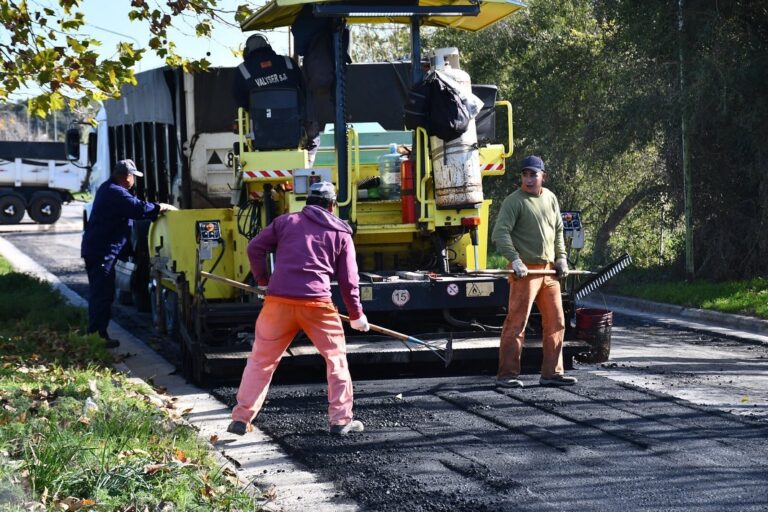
11,209
45,207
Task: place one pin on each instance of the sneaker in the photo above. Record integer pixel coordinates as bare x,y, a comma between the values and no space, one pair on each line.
509,383
343,430
558,380
239,428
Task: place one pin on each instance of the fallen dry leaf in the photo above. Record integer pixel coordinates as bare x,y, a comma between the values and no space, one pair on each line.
151,469
213,439
131,453
271,493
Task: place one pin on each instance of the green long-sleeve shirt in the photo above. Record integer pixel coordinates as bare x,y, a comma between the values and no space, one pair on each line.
530,228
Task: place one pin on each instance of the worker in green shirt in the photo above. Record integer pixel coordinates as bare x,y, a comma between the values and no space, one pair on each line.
529,233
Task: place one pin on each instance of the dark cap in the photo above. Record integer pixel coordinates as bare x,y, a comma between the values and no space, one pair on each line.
533,163
126,167
323,189
255,42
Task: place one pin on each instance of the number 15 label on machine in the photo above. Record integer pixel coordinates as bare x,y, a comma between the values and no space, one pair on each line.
401,297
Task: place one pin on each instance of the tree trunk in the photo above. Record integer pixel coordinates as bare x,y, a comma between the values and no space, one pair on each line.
600,251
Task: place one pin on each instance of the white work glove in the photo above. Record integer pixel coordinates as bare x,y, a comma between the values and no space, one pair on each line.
165,207
519,267
361,324
561,267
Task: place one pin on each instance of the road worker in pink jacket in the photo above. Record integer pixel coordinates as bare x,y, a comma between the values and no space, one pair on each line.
311,247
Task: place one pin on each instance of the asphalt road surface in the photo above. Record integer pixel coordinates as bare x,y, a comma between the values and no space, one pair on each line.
675,421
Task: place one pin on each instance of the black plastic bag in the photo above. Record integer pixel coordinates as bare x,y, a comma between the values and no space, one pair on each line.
437,106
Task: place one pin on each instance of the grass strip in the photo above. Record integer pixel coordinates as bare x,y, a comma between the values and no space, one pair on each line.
738,297
76,435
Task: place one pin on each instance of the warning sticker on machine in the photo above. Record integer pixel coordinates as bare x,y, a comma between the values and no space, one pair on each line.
366,293
479,289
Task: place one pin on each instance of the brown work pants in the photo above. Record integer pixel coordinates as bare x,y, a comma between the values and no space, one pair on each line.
545,291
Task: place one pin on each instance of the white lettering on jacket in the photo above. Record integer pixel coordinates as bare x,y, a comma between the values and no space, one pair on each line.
274,78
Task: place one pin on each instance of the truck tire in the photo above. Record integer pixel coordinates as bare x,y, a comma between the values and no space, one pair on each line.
11,208
45,207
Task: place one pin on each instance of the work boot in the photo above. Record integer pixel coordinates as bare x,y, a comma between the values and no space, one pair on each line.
239,428
557,380
343,430
110,342
509,383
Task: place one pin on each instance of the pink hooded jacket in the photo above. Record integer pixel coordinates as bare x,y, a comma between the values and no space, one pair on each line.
311,248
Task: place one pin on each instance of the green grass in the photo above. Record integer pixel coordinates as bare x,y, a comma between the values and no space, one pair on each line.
495,260
72,428
5,267
82,196
742,297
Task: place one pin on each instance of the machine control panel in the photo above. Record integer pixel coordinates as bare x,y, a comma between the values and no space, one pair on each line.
573,228
208,230
208,235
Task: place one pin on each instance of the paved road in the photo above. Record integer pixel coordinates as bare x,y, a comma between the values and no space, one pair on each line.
621,440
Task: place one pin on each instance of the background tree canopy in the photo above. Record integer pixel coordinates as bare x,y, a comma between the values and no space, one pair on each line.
597,92
43,46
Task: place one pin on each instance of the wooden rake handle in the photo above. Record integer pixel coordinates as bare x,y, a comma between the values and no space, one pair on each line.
377,328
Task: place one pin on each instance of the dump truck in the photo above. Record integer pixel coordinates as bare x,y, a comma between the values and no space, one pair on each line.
415,203
36,178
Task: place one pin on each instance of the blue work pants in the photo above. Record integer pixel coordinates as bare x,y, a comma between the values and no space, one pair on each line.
101,293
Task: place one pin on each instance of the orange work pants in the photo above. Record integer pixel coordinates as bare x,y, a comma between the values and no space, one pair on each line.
545,291
278,323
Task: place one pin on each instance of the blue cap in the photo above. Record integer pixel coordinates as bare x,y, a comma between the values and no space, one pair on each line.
323,189
126,167
533,163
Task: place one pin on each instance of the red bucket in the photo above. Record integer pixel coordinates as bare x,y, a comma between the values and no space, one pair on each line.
594,326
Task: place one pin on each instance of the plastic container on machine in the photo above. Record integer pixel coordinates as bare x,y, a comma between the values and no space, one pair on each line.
389,173
456,163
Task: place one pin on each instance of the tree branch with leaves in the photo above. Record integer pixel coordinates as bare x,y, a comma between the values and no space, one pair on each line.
44,48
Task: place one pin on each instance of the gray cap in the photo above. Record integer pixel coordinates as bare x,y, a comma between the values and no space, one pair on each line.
126,167
323,189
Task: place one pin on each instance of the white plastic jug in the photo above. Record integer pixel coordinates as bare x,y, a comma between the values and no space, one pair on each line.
389,172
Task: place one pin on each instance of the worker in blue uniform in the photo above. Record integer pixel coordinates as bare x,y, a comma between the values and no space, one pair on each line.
105,238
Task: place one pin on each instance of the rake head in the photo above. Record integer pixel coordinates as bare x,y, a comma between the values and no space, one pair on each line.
602,276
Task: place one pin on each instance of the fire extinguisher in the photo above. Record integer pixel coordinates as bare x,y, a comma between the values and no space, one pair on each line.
408,191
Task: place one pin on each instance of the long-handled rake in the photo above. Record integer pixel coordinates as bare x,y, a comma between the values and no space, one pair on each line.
603,275
509,272
445,354
597,279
